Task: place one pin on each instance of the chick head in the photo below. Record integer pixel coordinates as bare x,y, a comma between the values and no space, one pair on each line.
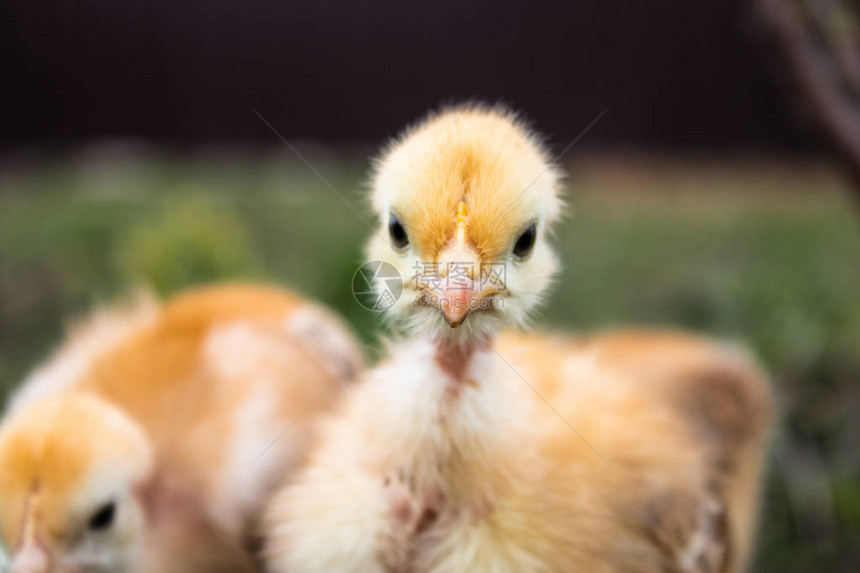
70,469
465,203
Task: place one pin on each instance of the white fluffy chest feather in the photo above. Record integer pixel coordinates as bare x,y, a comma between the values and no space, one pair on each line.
444,427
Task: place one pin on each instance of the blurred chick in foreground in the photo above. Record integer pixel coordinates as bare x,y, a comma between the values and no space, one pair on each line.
148,442
632,451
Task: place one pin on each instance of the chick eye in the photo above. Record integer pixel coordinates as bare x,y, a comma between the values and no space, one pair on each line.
398,235
103,517
526,242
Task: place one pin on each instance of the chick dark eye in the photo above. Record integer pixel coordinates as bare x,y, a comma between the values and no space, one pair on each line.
526,242
398,235
103,518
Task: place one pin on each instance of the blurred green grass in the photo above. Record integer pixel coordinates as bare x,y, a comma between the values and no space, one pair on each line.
771,259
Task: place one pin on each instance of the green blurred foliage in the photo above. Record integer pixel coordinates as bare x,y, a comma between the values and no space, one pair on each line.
190,240
768,261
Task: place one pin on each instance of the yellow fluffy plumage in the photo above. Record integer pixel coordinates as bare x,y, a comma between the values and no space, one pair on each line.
482,156
651,463
144,444
633,451
486,162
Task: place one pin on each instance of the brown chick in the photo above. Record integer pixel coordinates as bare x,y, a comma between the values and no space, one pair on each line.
465,450
148,442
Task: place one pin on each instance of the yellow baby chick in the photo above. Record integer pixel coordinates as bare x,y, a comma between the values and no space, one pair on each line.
148,442
465,450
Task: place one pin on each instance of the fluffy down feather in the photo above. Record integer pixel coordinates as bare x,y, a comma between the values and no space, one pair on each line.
445,459
427,471
149,441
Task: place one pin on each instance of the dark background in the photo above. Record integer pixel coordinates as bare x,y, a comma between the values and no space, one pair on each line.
676,75
130,155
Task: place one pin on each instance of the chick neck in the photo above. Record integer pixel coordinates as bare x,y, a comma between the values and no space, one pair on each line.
456,418
454,357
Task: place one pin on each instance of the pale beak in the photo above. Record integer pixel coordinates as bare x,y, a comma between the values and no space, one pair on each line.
31,558
454,303
459,266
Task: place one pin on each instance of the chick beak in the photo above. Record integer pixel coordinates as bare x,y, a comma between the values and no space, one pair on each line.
455,304
31,558
459,262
